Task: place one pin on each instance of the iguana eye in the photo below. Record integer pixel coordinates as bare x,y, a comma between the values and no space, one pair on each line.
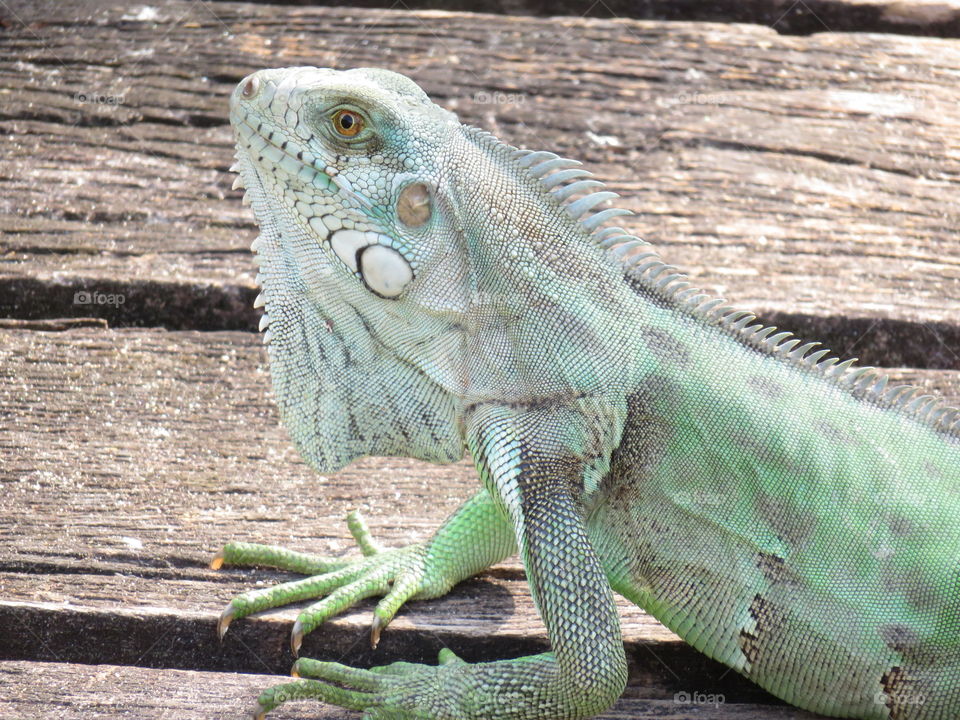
347,122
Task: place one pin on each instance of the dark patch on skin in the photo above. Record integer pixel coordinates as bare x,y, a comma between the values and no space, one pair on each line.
912,648
646,434
903,694
891,681
775,570
353,428
428,420
391,410
404,432
621,492
749,646
920,594
766,387
934,471
665,346
900,525
768,621
899,638
655,395
623,495
770,455
568,327
676,586
792,525
838,435
536,404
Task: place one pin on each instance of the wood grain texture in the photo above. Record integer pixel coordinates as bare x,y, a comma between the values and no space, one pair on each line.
939,18
131,455
807,178
812,179
107,692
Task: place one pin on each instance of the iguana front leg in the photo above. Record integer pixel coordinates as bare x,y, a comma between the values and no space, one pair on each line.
534,463
536,478
475,537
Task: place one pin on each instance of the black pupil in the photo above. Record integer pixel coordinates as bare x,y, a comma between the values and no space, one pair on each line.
346,121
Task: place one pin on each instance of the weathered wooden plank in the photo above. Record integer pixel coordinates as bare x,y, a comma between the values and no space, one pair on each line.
147,619
806,177
115,428
940,18
131,455
107,692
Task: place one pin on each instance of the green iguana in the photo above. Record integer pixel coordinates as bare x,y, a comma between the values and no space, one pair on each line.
431,290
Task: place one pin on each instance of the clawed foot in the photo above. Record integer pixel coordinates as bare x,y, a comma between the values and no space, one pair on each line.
474,538
397,575
393,691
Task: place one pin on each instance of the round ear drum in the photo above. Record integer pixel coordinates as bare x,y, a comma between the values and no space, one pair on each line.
385,271
414,205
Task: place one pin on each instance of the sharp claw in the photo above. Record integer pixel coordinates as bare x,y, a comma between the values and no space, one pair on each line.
225,618
295,670
296,638
217,561
376,627
259,713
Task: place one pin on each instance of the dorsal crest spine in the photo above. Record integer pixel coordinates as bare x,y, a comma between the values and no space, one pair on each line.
563,180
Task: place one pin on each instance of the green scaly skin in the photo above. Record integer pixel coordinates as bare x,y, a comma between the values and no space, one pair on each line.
429,290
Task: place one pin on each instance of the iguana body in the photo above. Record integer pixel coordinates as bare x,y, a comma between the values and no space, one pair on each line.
430,289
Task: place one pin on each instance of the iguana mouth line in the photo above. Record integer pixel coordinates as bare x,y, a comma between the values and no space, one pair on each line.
288,147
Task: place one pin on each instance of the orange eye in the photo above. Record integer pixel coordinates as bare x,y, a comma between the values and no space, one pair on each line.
347,122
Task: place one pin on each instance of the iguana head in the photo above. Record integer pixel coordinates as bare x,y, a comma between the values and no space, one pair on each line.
351,159
412,261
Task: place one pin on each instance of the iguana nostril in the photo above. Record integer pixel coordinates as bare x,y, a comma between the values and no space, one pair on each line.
250,87
413,206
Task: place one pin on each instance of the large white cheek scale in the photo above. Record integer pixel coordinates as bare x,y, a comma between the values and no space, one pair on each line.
385,271
345,244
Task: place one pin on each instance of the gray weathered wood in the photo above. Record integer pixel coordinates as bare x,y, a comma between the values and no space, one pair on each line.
808,178
939,18
131,455
812,179
107,692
